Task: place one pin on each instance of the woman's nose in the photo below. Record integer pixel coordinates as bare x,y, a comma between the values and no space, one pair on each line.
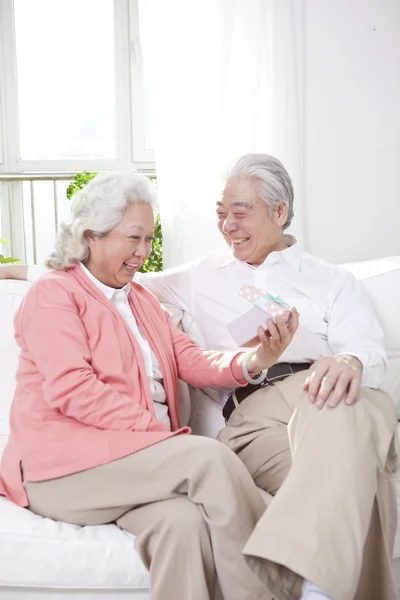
141,250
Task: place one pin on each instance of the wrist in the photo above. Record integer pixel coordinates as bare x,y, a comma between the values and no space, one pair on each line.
251,362
352,361
254,365
253,377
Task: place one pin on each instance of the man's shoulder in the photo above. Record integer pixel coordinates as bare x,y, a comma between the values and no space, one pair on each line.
318,265
208,262
214,260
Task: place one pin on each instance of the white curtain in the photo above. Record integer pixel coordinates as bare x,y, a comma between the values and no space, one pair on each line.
223,79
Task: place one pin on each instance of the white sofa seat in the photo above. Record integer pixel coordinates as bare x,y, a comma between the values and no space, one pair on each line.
47,560
37,551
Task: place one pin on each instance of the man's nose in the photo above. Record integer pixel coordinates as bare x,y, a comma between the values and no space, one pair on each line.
229,225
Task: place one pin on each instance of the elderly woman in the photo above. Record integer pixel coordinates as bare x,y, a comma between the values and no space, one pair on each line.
95,433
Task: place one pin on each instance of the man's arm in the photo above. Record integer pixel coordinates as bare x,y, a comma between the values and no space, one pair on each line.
13,272
22,272
172,287
357,343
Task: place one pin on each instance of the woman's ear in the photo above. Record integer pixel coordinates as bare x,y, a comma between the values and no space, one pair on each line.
90,238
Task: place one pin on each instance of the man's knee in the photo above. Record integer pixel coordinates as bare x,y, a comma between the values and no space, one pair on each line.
375,408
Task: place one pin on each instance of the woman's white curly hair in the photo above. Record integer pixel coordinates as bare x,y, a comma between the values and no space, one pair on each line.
98,208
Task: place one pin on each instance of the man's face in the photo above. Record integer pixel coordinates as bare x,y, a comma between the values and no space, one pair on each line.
249,227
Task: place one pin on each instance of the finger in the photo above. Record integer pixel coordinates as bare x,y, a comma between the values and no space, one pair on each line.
316,377
263,337
354,389
294,321
339,390
282,329
327,385
273,330
307,380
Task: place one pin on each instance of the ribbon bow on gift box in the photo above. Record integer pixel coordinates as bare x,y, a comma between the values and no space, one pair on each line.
272,304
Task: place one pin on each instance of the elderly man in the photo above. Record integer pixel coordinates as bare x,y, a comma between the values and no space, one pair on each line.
316,428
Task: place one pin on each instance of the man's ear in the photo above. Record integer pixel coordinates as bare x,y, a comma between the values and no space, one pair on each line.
282,214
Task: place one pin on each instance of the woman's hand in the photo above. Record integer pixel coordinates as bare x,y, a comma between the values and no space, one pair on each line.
274,343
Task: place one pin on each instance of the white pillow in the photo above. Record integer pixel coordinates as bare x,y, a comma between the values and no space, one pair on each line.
381,279
11,293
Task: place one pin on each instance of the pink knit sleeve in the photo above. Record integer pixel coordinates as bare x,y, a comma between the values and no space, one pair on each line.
200,367
55,340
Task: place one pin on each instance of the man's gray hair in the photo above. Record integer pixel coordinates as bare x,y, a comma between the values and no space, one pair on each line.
98,208
273,181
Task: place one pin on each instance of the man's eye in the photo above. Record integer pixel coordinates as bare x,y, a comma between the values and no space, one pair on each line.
221,216
150,239
134,237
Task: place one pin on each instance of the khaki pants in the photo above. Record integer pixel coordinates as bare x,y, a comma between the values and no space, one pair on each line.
334,518
190,502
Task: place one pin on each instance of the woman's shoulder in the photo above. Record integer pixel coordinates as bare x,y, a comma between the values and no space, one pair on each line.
53,289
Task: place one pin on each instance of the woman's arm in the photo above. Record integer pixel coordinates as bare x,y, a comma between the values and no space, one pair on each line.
200,367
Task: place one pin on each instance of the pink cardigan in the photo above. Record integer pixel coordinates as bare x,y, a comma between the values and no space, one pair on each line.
82,398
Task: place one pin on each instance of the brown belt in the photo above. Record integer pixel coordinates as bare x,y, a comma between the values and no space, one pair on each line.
275,373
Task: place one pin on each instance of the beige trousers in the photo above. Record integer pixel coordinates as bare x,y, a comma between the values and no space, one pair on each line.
190,502
334,518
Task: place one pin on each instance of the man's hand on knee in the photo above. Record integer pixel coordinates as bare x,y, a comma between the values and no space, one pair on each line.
332,379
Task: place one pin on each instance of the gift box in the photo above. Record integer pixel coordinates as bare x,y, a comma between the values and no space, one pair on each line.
266,306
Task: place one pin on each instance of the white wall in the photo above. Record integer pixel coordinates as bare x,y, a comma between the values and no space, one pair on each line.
352,128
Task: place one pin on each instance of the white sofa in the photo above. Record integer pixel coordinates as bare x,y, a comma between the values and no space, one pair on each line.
47,560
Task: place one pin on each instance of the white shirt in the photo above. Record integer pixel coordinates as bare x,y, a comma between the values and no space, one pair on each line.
336,316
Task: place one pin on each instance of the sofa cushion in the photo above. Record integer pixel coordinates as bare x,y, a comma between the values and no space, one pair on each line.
381,280
11,293
40,552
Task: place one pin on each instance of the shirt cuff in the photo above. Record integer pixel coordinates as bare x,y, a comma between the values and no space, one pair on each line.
372,375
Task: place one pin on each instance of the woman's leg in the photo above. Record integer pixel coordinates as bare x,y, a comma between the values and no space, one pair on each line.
174,543
196,469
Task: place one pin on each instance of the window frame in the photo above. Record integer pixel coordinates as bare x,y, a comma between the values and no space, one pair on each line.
130,121
129,106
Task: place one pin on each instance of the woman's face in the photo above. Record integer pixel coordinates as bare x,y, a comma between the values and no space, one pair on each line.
119,254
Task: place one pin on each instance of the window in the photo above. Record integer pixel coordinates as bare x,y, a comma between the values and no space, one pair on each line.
65,79
71,99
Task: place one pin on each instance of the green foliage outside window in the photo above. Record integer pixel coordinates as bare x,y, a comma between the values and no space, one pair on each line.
3,259
154,262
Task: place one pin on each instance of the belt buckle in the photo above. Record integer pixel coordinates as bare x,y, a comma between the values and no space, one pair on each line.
286,372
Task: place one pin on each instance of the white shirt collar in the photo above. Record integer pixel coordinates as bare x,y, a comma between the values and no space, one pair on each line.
292,255
106,289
